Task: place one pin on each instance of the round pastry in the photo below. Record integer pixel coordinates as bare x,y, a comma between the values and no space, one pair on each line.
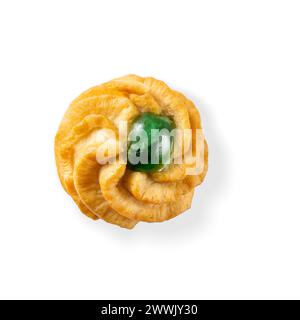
152,176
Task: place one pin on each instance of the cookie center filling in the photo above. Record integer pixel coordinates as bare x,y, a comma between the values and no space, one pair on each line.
150,143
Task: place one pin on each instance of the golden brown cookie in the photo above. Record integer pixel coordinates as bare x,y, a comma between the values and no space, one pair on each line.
113,191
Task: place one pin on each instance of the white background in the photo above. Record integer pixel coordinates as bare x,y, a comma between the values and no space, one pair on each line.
240,62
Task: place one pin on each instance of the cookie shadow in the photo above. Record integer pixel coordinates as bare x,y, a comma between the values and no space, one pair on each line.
198,220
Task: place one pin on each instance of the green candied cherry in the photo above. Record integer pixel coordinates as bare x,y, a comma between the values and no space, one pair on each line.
150,143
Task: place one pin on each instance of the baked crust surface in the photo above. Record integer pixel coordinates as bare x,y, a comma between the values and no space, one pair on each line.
112,192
